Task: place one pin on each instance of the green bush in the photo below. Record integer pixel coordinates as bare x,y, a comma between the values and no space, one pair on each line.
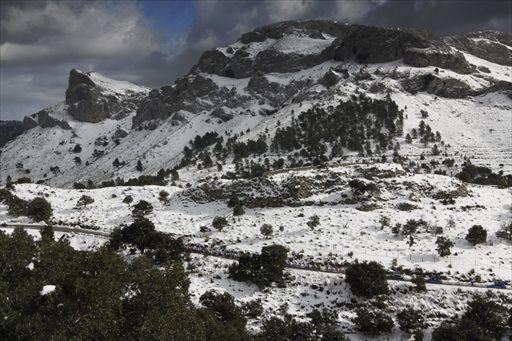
367,279
490,316
128,199
476,235
39,209
373,321
238,210
99,294
142,209
219,223
84,201
411,320
266,230
263,269
313,221
443,246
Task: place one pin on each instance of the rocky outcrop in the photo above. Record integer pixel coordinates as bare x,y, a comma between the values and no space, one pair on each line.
43,119
363,44
366,44
490,45
221,114
449,87
440,57
329,79
9,130
84,99
90,102
443,87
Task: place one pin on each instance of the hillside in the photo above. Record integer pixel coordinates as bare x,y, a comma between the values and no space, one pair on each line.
335,180
254,85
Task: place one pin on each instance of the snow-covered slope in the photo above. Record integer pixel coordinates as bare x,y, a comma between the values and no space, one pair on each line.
472,111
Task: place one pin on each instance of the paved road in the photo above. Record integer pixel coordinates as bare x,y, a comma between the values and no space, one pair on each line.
103,234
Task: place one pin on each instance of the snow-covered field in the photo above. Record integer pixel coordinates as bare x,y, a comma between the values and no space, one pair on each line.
346,231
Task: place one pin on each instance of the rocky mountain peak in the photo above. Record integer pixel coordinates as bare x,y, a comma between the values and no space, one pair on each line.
292,46
92,97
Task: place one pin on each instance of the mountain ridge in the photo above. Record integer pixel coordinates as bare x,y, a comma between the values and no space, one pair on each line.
288,67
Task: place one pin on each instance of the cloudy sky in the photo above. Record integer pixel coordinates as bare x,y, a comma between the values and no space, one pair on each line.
154,41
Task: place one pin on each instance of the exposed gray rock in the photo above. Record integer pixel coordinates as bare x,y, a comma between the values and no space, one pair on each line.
193,93
449,87
29,122
329,79
366,44
363,44
44,120
483,69
251,37
222,114
439,57
84,99
87,102
443,87
493,48
119,134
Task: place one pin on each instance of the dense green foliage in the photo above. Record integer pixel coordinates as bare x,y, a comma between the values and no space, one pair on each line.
219,223
444,246
15,205
84,200
263,269
39,209
411,320
361,124
484,320
141,209
286,328
141,235
97,296
349,125
476,235
484,176
367,279
373,321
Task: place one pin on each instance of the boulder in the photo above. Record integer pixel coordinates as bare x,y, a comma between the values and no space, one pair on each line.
221,114
329,79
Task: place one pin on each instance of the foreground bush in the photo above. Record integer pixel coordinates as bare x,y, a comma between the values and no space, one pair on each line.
373,321
95,295
484,320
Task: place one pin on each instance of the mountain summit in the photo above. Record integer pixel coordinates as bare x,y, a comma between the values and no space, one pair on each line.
254,90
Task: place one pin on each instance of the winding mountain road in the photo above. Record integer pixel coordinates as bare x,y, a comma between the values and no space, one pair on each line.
106,235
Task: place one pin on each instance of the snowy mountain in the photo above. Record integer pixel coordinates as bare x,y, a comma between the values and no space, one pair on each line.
256,82
342,143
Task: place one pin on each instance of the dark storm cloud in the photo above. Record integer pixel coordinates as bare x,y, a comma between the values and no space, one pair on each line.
41,40
444,16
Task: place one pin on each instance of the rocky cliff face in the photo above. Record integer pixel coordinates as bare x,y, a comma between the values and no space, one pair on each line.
490,45
255,86
290,47
90,99
44,120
